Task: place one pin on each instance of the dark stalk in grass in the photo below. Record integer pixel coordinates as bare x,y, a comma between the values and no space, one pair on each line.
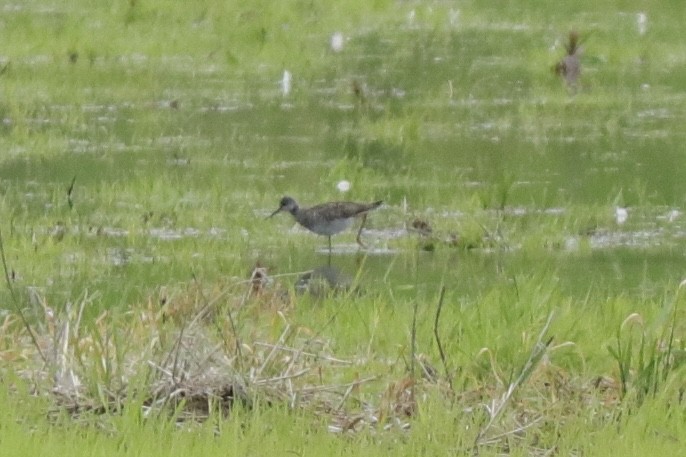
437,337
670,345
413,339
15,302
234,330
623,359
232,323
175,352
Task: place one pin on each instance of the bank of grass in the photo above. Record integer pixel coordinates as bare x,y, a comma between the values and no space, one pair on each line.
249,366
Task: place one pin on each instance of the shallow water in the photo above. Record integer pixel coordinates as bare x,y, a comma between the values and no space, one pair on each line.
453,119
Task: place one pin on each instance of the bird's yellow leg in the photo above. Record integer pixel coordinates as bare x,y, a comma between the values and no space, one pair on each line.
359,232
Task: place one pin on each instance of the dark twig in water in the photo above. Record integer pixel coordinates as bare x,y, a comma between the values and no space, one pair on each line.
437,336
70,190
359,93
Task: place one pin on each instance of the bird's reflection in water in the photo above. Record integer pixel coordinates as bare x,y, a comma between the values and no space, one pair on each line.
323,281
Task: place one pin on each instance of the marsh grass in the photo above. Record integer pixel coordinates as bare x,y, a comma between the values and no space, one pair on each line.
207,357
144,142
646,361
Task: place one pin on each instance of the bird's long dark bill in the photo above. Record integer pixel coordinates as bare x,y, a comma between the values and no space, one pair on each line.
274,213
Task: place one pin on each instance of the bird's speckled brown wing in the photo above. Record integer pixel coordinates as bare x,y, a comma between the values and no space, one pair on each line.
342,210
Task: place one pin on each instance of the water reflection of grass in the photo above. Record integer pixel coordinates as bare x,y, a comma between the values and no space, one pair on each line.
171,119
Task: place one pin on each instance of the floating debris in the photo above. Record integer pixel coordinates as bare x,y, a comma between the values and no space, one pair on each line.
359,92
422,227
569,67
286,82
343,185
58,231
337,42
642,23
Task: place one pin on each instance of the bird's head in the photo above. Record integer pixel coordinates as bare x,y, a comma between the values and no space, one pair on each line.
286,204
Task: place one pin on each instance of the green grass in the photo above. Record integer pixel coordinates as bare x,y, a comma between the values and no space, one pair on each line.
577,395
170,119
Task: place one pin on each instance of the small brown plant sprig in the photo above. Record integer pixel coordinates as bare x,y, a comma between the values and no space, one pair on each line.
569,67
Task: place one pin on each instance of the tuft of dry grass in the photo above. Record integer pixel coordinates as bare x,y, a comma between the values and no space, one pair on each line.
190,353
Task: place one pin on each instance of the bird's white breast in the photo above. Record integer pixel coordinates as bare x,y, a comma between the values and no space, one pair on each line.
332,227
